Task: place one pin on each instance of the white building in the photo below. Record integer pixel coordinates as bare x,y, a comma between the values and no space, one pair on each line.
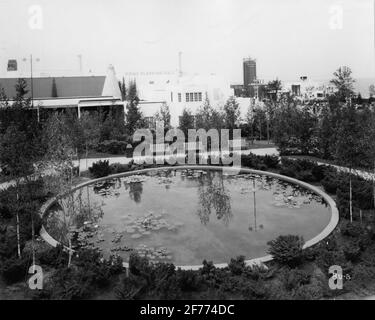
307,89
179,91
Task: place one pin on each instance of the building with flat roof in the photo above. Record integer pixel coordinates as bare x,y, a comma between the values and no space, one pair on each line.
179,90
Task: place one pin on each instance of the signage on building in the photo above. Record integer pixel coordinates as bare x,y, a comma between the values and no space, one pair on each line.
12,65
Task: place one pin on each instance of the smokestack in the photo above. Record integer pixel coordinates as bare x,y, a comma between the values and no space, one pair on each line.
80,63
180,64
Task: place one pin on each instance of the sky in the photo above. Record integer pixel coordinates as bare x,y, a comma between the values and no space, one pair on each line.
289,38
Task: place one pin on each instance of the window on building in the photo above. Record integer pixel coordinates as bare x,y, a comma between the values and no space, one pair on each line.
179,97
192,96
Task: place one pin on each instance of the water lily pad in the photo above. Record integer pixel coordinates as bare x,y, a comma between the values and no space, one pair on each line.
136,235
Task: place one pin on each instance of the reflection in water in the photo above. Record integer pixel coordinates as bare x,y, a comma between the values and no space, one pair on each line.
213,194
71,215
254,208
108,188
135,191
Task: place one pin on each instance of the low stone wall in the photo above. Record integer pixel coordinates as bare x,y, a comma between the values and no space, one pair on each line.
327,230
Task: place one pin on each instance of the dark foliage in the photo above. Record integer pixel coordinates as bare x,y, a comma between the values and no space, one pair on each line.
287,250
14,269
100,169
112,147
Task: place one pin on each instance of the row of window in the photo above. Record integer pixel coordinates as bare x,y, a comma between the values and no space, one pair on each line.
193,96
189,96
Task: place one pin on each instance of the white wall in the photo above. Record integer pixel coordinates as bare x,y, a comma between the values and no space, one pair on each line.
160,87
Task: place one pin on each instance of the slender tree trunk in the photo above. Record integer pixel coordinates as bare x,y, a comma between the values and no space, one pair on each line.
70,253
255,207
88,201
87,154
252,132
18,223
32,238
350,195
79,163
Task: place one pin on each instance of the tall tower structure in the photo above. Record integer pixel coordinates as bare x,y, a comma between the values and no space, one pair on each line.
249,71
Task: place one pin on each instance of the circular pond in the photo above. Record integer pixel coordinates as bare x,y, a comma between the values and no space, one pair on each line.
185,215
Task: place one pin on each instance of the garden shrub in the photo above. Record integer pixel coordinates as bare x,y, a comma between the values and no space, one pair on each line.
255,290
361,276
352,229
309,292
101,269
260,162
352,251
271,161
288,172
188,280
302,169
167,288
368,255
319,171
100,169
306,175
294,278
329,253
54,257
112,147
139,265
250,161
237,266
208,270
71,284
14,269
120,168
259,272
287,250
131,288
277,291
8,242
6,211
87,273
331,182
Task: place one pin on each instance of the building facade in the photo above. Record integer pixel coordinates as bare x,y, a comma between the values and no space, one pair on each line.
80,93
179,91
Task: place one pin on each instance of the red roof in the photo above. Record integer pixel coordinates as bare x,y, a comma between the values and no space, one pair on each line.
67,87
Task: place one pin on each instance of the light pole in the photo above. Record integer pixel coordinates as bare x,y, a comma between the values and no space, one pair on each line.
31,82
